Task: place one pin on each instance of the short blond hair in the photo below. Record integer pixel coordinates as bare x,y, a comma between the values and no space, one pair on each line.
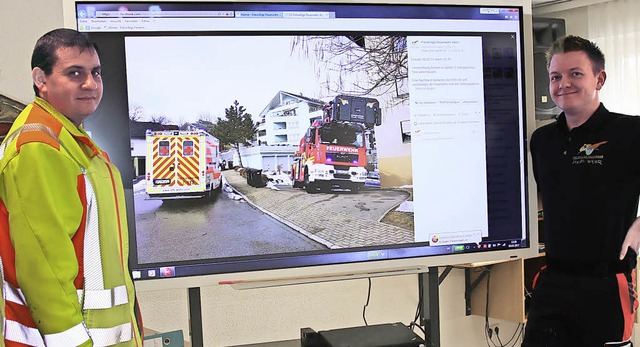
572,43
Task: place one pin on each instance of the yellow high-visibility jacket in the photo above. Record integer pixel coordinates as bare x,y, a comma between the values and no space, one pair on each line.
63,238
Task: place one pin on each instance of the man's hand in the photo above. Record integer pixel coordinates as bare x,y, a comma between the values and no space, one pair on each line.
632,239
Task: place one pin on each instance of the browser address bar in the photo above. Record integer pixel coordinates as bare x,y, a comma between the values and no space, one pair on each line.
162,14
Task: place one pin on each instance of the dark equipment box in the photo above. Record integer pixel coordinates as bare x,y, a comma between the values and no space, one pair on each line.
381,335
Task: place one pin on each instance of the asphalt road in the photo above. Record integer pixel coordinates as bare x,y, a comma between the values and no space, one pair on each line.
190,229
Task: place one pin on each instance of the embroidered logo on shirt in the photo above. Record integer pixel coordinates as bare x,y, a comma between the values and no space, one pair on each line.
587,158
588,148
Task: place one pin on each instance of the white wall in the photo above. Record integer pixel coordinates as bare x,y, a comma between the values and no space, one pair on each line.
21,24
139,148
389,135
233,317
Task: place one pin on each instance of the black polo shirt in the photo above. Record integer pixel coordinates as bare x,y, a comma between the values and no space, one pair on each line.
589,181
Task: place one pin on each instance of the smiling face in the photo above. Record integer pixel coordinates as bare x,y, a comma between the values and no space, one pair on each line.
574,86
74,86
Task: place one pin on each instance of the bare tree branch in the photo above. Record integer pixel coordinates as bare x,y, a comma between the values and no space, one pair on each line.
367,66
136,112
160,119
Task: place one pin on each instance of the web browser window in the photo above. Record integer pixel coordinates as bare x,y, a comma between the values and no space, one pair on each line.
386,111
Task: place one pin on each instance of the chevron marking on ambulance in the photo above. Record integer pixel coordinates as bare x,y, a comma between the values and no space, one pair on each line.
162,165
188,165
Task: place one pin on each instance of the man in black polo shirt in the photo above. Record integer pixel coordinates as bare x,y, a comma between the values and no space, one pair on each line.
587,168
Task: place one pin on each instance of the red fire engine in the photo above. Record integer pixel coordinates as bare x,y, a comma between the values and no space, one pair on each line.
333,153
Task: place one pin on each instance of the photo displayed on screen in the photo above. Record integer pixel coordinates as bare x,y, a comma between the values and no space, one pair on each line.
293,146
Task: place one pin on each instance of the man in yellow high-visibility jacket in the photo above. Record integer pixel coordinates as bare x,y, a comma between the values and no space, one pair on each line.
63,225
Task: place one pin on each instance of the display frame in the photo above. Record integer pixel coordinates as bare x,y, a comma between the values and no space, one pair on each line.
322,270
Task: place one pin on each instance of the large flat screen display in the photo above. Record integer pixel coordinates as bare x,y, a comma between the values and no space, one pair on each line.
261,136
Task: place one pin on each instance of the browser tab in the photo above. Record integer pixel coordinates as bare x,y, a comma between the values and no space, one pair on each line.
258,14
307,14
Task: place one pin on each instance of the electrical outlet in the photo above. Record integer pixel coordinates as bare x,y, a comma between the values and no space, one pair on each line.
493,326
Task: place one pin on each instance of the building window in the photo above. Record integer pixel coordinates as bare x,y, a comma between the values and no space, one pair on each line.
315,108
405,129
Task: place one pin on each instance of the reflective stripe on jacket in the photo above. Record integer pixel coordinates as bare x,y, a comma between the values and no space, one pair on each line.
63,238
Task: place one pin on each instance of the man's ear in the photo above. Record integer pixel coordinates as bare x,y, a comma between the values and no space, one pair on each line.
39,78
601,77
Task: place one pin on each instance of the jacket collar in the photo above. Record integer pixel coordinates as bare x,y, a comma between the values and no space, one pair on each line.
77,132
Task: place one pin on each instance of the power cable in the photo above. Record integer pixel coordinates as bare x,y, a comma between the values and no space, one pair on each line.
364,309
488,332
417,316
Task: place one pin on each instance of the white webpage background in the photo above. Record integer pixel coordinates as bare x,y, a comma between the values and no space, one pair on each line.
448,139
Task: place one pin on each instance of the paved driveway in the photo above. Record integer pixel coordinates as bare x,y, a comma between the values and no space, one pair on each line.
337,219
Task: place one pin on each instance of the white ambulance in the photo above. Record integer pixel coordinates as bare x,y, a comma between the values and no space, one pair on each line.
182,164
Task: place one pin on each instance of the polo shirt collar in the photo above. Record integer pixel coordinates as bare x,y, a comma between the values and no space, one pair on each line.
600,117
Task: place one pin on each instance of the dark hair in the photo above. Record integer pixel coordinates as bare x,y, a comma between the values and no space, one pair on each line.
44,53
572,43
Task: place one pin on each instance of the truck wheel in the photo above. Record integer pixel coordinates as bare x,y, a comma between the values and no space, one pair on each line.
294,178
308,186
356,187
208,195
325,187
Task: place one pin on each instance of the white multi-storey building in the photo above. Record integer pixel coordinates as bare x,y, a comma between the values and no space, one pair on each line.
286,118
